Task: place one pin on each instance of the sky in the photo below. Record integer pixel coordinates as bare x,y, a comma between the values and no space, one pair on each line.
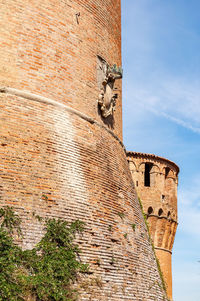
161,112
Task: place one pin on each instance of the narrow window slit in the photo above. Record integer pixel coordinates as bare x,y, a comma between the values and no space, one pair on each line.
147,178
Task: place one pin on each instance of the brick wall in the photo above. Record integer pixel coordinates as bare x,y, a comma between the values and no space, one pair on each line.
47,49
77,161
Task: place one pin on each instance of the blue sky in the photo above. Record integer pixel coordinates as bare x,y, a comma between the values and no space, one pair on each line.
161,111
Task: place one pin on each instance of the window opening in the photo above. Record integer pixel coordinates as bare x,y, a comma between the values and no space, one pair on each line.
160,212
167,170
147,180
150,210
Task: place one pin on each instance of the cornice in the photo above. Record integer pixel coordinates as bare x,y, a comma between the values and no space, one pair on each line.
153,157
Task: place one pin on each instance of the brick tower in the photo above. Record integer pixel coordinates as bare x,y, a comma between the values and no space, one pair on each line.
60,136
156,181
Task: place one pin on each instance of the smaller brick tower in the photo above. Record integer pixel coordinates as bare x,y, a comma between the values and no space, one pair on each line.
156,181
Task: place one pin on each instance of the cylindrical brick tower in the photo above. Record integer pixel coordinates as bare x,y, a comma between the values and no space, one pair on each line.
60,131
156,181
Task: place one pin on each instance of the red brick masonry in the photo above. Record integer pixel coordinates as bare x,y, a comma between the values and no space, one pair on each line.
54,141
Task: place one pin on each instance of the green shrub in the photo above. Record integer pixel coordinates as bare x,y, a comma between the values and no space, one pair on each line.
46,272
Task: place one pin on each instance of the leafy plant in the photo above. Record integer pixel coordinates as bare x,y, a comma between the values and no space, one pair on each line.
10,220
10,261
46,272
44,197
133,226
38,217
121,214
112,260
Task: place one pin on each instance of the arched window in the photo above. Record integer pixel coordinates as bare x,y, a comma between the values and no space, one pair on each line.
163,198
168,214
150,210
160,212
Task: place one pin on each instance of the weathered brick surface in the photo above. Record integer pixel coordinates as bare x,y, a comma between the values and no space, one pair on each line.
79,165
45,50
160,204
83,171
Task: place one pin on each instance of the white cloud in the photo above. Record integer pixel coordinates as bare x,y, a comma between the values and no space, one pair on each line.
173,99
161,60
161,56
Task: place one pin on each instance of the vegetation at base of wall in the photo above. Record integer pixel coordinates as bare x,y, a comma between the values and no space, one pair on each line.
48,271
10,221
157,260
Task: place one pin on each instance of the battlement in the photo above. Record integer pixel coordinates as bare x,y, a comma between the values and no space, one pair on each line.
156,181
